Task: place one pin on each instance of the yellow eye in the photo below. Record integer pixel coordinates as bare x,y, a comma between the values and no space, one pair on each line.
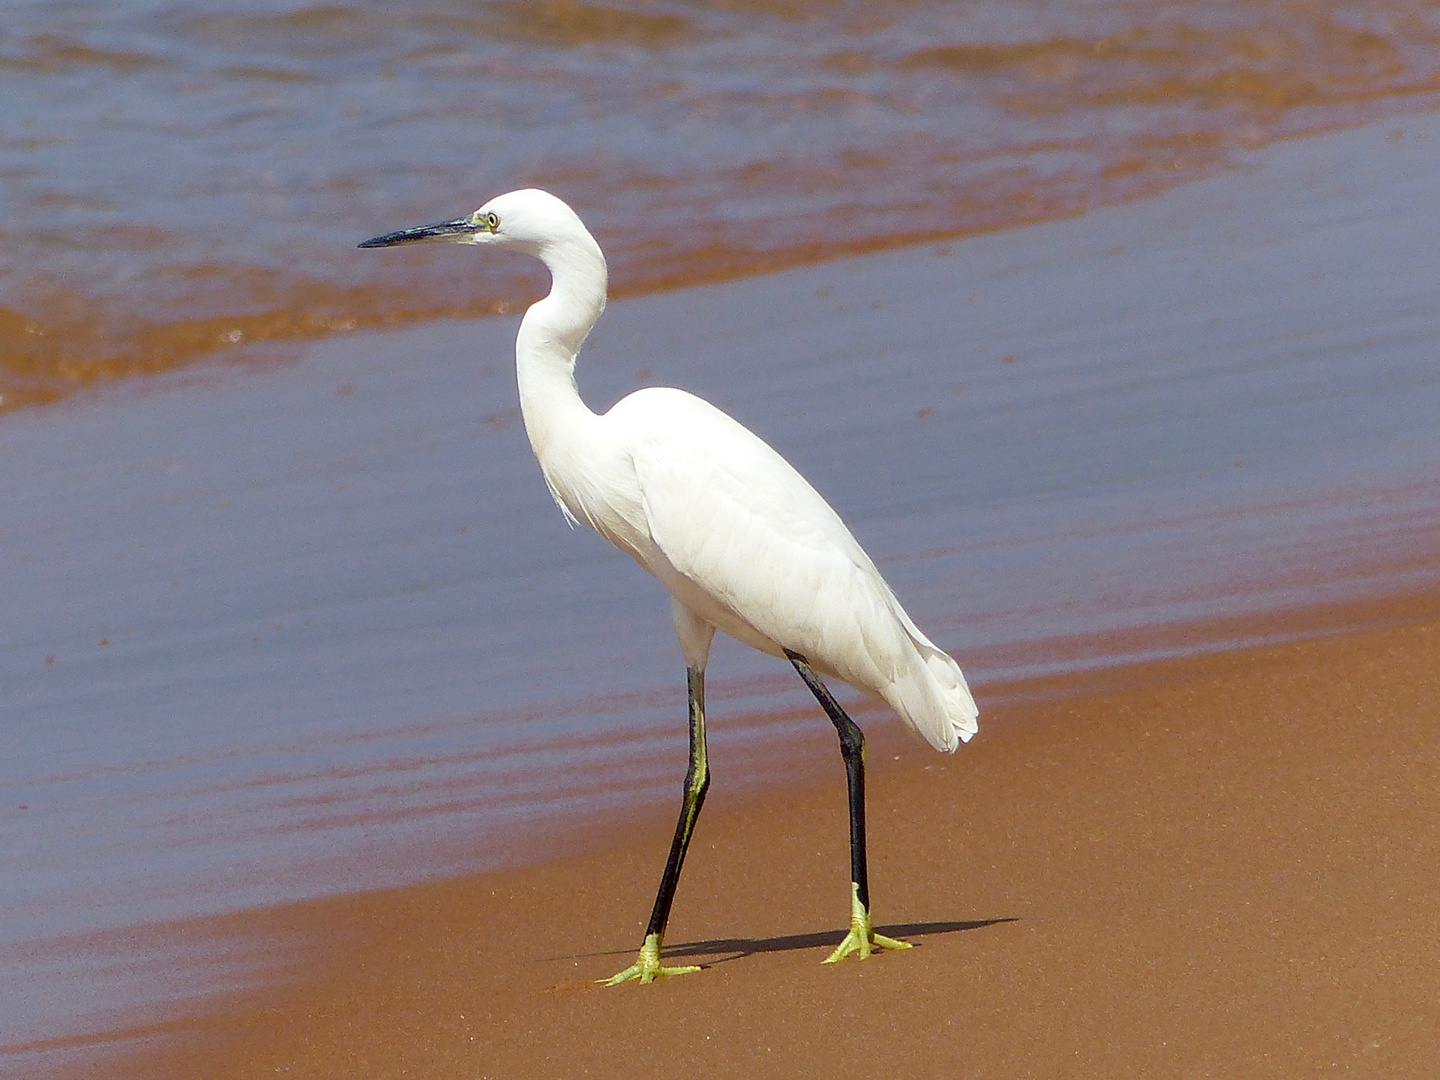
489,222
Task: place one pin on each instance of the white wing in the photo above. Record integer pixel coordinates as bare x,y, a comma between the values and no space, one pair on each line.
745,542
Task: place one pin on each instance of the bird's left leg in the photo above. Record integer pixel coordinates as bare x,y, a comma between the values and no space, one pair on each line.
695,637
697,781
862,937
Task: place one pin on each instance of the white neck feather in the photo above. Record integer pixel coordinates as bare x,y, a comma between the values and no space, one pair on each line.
550,338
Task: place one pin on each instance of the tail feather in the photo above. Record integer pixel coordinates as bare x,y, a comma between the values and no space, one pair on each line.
960,707
933,699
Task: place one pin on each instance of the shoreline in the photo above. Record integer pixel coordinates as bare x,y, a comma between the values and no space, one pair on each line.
328,597
1219,861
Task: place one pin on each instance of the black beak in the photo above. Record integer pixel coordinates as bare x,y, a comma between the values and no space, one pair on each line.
444,230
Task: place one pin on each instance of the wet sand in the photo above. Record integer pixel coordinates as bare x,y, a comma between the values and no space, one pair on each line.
1216,866
295,635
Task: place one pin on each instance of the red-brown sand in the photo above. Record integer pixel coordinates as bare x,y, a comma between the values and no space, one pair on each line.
1225,866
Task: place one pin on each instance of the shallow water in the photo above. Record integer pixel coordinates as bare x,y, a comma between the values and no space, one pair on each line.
318,626
282,629
179,180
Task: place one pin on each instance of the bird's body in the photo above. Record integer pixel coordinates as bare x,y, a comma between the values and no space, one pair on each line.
744,543
738,537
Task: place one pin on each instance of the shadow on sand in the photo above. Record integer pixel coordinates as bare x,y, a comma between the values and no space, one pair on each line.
723,950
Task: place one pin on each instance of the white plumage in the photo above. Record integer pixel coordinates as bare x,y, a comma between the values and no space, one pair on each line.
739,538
743,542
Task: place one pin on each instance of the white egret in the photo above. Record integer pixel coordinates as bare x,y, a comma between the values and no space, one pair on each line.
741,541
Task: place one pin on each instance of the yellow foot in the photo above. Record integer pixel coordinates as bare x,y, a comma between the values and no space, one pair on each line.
647,966
862,938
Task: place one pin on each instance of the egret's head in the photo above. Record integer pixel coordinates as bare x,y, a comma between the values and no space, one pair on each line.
529,220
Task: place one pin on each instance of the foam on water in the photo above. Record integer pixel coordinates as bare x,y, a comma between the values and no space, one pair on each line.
174,176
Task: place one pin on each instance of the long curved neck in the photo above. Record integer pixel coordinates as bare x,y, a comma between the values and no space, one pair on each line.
550,338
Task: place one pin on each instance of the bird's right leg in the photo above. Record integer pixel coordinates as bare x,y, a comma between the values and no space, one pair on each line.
647,966
862,937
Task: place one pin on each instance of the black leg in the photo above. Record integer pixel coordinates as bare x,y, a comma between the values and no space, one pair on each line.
862,938
697,782
852,749
647,966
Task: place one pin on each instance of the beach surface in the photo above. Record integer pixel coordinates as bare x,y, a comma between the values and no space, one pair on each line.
289,618
1215,866
297,635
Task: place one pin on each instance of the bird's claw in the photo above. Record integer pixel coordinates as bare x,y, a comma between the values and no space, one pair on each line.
647,968
857,941
862,937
